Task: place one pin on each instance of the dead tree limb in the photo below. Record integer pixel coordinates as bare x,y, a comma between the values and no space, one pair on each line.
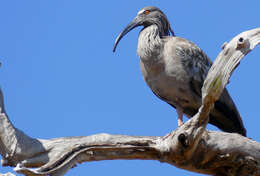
190,147
7,174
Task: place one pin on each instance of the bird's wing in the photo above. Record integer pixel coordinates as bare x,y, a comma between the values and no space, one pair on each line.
195,62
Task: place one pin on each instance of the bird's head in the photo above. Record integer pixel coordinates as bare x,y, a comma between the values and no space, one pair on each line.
145,17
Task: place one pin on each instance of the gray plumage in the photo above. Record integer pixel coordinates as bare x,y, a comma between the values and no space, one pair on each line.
175,68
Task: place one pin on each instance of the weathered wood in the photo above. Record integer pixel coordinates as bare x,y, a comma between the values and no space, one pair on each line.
190,147
8,174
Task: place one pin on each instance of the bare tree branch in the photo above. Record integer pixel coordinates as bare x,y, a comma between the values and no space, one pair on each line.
190,147
8,174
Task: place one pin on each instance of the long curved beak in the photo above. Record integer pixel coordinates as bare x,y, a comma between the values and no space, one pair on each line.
128,28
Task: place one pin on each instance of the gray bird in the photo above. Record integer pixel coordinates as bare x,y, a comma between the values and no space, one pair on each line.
175,68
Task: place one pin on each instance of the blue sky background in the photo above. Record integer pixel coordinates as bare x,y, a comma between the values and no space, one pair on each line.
61,78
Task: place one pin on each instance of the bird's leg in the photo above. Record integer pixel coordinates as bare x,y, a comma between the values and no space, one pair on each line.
180,119
180,116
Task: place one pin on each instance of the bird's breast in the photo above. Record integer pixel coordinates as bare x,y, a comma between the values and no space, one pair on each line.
170,84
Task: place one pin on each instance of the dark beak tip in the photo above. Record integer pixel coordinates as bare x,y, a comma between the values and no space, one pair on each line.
114,49
128,28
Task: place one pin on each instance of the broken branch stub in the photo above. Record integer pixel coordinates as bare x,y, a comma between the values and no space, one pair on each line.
226,62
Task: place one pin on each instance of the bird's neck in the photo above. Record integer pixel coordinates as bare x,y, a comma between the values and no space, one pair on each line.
149,44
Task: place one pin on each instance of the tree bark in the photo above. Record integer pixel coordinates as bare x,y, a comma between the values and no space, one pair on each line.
8,174
190,147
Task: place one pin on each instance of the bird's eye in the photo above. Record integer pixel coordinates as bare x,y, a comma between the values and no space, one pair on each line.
146,12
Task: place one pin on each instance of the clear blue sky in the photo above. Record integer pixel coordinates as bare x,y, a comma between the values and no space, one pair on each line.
60,77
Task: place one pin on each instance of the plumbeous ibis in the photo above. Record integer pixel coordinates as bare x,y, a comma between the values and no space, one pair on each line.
175,68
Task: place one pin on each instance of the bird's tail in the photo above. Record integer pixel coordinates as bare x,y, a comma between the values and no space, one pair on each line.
226,116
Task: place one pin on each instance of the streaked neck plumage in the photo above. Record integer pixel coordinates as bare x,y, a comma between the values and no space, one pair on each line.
149,43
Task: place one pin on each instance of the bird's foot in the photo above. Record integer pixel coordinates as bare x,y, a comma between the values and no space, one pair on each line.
180,122
166,136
